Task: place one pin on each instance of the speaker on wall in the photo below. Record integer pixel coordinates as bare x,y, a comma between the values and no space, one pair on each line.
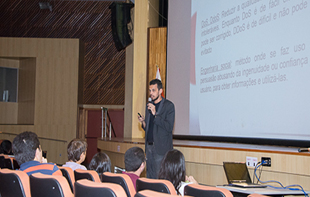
120,17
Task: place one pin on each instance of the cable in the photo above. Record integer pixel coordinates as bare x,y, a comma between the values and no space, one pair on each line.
265,181
254,173
282,187
260,172
157,11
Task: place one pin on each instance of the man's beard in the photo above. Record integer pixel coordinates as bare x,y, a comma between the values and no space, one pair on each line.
155,98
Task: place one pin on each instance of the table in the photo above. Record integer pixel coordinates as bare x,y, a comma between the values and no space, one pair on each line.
268,191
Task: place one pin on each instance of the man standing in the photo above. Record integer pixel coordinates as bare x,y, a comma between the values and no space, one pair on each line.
158,125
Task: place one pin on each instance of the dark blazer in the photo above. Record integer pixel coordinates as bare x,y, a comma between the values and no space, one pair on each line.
163,126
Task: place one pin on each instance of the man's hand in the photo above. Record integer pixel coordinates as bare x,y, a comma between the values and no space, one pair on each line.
141,119
44,160
152,108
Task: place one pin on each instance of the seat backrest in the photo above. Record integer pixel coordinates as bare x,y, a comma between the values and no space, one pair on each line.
121,179
150,193
91,175
203,190
49,186
158,185
14,163
14,183
5,162
94,189
69,175
256,195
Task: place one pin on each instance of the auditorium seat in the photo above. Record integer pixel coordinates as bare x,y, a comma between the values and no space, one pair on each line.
15,164
150,193
158,185
49,186
91,175
14,183
69,175
121,179
9,162
196,190
94,189
5,162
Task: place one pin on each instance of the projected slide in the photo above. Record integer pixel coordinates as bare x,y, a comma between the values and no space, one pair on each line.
250,76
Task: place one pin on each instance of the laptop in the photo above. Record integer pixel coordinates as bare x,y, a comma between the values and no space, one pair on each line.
237,174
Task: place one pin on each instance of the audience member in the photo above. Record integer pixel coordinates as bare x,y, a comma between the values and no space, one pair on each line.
173,169
76,154
134,163
100,163
6,147
28,154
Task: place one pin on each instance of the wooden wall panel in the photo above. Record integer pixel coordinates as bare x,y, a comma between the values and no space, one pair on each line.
9,62
56,89
137,73
153,18
46,144
8,113
8,110
286,167
90,21
136,93
206,164
157,53
60,77
26,91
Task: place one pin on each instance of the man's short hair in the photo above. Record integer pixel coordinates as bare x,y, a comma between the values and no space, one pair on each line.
24,146
134,157
75,148
158,82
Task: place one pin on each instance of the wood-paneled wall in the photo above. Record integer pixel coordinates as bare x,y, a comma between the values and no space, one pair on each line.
206,163
26,91
89,21
56,74
145,16
157,54
23,111
8,112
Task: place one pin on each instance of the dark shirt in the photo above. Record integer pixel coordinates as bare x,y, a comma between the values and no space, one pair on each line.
133,177
150,131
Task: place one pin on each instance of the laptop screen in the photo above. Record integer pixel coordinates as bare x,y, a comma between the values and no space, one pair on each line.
236,172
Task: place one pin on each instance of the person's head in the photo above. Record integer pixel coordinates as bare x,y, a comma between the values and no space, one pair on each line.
155,89
173,168
134,160
26,147
77,150
100,163
6,147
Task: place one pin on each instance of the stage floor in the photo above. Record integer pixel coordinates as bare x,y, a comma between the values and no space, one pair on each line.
214,145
